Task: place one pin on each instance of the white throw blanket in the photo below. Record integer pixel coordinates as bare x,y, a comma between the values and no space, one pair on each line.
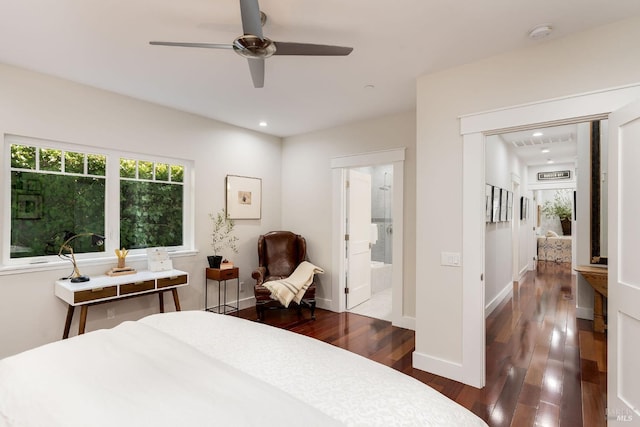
293,287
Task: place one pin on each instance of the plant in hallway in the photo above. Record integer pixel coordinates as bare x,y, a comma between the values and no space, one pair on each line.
222,237
560,207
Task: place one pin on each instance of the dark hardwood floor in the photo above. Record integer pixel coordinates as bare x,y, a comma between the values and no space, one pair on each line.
543,367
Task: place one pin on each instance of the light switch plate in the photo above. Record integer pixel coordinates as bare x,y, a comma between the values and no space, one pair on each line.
451,259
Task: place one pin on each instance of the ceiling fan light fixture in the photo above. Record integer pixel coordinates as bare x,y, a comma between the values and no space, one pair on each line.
253,47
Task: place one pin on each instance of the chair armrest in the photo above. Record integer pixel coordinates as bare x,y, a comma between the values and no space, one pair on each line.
259,275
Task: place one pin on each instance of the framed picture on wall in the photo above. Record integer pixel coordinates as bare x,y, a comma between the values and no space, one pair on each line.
523,214
503,204
488,202
509,205
244,197
495,207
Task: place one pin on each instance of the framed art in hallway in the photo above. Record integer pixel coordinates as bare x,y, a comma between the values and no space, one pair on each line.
488,202
244,197
503,205
495,212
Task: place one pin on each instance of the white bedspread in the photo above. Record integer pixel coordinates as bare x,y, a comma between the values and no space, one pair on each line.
196,368
136,375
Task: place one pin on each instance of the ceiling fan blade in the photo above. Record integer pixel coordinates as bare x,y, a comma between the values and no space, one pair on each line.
256,66
251,22
185,44
288,48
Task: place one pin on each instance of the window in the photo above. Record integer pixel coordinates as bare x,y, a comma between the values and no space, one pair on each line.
151,200
57,189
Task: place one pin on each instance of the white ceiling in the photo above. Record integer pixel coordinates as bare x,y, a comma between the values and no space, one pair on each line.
559,143
105,44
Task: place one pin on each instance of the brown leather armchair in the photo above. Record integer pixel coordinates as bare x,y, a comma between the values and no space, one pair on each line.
279,253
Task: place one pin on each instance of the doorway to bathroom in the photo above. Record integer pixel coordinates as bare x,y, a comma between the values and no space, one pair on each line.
341,167
378,304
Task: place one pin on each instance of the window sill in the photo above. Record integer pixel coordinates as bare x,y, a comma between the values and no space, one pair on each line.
6,270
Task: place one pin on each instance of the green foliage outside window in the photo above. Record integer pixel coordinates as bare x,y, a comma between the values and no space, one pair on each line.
151,205
54,191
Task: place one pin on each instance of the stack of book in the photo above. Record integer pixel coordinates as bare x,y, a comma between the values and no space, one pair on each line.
119,271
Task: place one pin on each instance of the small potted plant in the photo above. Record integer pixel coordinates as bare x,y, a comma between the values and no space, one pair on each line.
560,207
221,238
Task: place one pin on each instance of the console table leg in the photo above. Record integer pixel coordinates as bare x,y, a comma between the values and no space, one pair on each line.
67,323
161,298
83,319
176,300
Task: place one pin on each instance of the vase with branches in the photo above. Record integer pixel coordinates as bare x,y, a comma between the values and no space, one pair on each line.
222,237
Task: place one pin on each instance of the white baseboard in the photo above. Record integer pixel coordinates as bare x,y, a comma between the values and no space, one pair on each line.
324,304
504,293
434,365
584,313
523,273
406,322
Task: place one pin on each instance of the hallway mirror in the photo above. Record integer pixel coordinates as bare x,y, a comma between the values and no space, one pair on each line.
599,195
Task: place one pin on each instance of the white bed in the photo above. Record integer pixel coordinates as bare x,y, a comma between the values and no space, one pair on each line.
196,368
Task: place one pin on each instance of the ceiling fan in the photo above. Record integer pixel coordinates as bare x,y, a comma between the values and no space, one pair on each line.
255,47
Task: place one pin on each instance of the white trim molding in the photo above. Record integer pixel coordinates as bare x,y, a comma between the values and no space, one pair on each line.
474,128
339,165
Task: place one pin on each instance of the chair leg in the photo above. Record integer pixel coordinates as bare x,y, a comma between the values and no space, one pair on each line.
312,307
260,312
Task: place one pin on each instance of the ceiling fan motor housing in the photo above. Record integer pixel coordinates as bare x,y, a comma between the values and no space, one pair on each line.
254,47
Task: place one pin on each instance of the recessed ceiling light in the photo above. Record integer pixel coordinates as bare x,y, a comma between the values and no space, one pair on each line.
263,124
538,133
369,87
549,161
545,150
540,31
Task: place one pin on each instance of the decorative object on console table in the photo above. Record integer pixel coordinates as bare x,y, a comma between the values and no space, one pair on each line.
158,259
96,240
226,264
222,237
121,269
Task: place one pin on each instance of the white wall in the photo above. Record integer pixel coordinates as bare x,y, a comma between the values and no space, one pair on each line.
597,59
45,107
307,191
502,167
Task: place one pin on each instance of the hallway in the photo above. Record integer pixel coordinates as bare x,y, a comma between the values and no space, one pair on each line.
544,366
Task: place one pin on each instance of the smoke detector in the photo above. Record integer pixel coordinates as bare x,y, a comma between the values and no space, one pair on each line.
540,31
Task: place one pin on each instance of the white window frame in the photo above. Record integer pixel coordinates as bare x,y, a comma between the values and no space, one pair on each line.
112,206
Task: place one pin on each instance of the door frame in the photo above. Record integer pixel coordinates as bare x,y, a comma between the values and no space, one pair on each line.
474,128
339,166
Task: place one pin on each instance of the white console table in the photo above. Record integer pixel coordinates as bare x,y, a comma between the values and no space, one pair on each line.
102,289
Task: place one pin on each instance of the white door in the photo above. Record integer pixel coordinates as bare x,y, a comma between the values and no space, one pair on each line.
623,318
358,243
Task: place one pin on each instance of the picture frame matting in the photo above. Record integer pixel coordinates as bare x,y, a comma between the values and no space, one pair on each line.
244,197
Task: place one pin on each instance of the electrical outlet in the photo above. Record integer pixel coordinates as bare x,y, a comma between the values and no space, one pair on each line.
241,286
111,313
